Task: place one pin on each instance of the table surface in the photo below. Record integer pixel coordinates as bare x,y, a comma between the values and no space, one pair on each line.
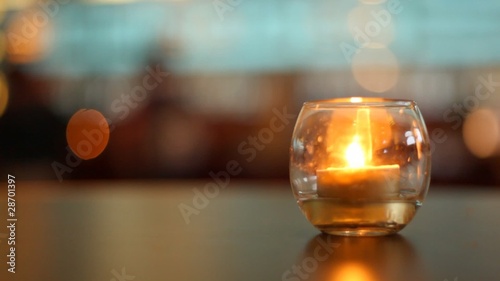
123,231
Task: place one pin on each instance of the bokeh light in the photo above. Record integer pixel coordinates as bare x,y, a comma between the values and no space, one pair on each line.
4,94
376,70
482,132
87,133
29,36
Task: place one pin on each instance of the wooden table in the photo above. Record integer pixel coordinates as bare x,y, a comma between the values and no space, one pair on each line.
122,231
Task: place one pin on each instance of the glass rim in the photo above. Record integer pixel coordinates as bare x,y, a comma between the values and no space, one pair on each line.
359,102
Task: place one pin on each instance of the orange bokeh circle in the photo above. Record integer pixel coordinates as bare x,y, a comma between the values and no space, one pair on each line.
87,133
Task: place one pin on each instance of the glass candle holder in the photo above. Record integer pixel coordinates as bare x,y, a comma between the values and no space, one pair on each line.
360,166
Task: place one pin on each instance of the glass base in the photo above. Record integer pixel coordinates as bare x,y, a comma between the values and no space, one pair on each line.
358,217
360,230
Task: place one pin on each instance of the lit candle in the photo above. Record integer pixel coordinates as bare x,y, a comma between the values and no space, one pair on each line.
358,178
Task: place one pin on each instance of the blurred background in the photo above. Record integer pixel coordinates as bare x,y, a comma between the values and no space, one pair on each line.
188,86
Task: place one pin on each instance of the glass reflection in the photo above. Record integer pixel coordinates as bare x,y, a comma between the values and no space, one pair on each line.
360,259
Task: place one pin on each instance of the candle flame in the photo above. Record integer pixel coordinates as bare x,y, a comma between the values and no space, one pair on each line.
354,154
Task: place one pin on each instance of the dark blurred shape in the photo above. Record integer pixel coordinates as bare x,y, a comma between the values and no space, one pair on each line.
32,135
4,94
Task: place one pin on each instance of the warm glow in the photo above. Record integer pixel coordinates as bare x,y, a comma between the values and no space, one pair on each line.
356,99
358,153
364,134
350,160
352,272
354,154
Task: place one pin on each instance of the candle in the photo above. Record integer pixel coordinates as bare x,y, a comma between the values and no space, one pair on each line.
358,178
363,182
359,166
